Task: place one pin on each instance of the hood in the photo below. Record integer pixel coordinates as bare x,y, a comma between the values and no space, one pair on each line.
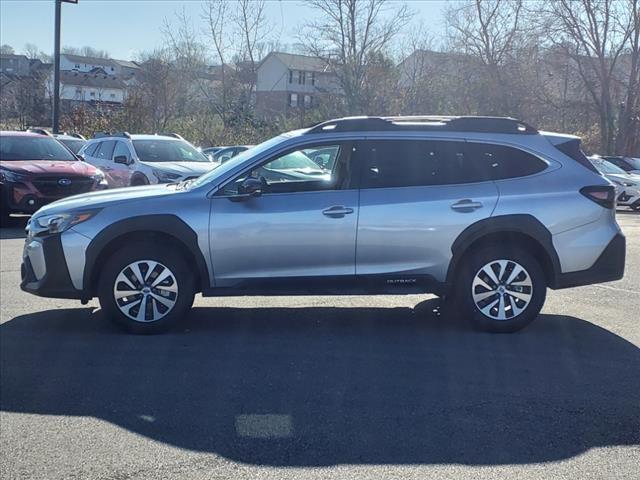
50,167
104,198
182,168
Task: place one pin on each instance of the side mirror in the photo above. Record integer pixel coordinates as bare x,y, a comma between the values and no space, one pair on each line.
250,187
121,159
80,157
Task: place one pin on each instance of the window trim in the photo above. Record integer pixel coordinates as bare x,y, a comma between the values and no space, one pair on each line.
345,144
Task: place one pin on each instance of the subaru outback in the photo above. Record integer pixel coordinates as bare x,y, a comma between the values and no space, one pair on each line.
487,212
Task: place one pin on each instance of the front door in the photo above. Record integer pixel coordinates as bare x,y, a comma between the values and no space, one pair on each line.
302,224
121,172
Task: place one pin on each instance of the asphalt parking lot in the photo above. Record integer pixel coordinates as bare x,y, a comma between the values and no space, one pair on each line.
311,387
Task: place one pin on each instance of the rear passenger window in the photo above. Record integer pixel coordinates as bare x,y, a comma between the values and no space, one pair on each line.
504,162
409,163
106,150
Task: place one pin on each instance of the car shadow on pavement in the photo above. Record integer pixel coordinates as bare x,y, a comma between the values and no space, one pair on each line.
14,228
325,386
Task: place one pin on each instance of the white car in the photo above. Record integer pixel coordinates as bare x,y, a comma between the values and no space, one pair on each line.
627,185
129,160
628,164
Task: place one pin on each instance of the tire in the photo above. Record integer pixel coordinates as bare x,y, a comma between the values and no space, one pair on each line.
139,181
168,298
514,305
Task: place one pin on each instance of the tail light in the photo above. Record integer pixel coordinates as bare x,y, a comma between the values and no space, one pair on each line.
604,195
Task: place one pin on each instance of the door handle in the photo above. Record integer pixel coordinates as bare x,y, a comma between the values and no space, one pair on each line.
337,211
466,205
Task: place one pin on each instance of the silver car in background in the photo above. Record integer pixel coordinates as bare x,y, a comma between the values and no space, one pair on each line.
486,212
133,160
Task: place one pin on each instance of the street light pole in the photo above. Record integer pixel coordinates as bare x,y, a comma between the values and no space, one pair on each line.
56,66
56,70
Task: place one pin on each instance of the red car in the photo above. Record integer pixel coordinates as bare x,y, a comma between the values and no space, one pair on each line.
37,169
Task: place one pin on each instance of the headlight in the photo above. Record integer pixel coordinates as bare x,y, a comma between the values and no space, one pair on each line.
9,176
57,223
99,177
617,182
164,177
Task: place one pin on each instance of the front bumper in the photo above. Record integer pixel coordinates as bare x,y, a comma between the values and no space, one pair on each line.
608,267
628,197
44,269
26,198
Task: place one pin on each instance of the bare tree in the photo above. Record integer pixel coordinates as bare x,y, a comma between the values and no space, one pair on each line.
7,50
215,14
349,35
594,34
86,51
628,138
488,30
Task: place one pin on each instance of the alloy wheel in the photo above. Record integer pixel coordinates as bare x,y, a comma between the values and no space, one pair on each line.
145,290
502,289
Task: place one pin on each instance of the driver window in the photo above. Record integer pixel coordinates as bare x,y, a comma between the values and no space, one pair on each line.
307,169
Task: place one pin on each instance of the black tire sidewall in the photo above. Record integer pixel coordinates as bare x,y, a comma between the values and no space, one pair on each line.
476,260
146,251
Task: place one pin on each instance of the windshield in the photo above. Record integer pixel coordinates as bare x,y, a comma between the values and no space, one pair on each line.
73,145
635,162
167,151
607,167
32,148
238,160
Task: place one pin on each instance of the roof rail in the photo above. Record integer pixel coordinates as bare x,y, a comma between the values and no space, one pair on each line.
111,134
75,135
170,134
426,122
40,131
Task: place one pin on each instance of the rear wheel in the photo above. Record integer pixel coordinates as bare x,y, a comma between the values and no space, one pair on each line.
501,289
146,288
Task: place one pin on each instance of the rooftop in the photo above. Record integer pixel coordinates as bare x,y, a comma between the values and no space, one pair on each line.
299,62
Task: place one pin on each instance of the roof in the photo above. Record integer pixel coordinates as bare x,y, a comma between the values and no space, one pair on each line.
10,133
11,55
92,60
299,62
91,80
126,63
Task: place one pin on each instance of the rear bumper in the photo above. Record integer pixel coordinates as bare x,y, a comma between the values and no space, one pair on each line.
608,267
44,269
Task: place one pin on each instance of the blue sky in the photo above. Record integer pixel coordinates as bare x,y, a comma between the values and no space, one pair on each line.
126,27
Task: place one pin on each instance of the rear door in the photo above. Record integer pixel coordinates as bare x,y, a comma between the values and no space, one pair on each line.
416,197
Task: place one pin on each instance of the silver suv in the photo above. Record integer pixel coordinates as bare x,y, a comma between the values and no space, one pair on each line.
133,159
487,212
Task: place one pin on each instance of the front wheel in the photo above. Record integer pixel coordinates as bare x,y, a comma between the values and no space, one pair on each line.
146,288
501,289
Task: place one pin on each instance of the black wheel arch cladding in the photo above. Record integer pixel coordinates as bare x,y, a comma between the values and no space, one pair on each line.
164,224
521,224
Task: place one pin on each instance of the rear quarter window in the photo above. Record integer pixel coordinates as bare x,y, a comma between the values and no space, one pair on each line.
502,162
